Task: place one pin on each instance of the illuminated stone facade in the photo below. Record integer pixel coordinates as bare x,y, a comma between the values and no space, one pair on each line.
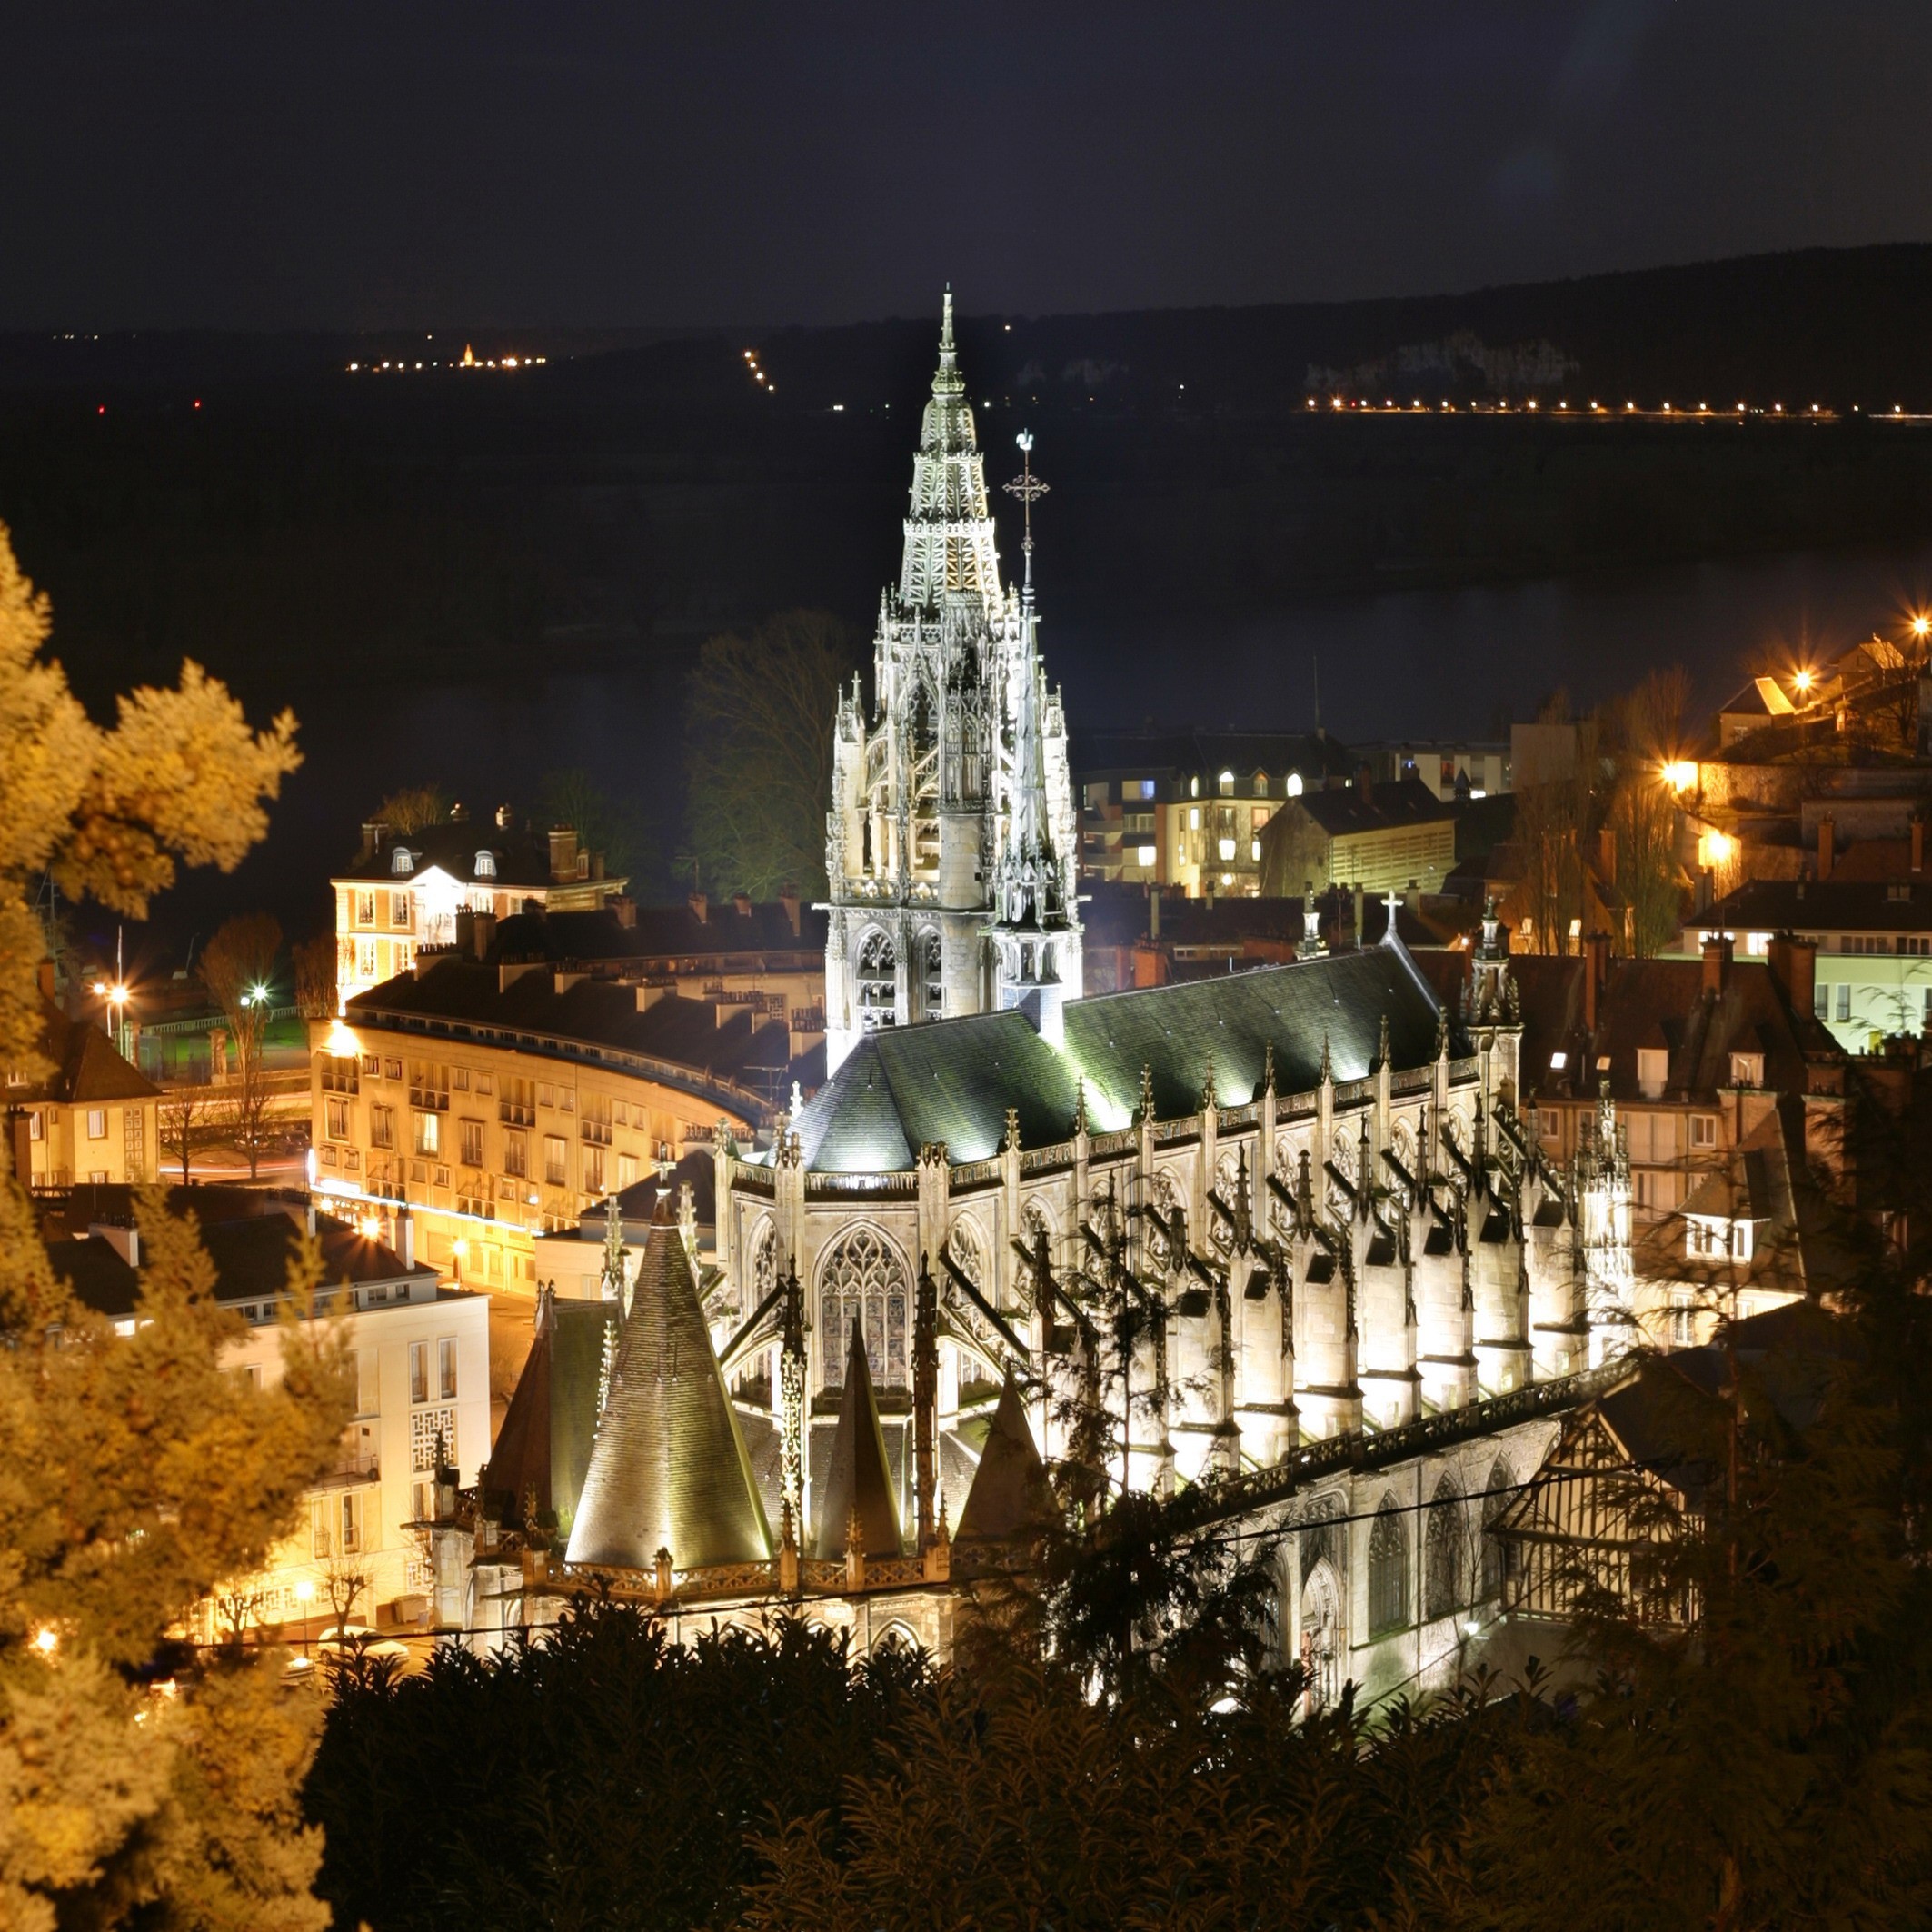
951,841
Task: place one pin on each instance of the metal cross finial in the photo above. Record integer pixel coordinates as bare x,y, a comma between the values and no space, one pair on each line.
1027,487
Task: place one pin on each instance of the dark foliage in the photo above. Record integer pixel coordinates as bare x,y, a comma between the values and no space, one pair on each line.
602,1778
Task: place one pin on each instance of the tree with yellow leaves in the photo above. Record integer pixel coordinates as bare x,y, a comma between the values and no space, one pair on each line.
138,1475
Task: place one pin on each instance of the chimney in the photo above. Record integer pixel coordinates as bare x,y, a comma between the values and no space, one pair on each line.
788,904
1793,966
124,1241
1918,844
1357,914
625,908
1717,962
700,908
596,865
1153,912
562,853
459,813
47,979
1595,971
485,932
742,904
649,993
505,818
1826,829
1365,782
373,831
466,930
407,1238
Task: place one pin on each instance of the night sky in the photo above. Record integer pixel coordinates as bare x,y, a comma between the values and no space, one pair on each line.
368,165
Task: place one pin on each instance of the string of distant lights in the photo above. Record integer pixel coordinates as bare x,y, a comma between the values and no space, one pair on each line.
1604,411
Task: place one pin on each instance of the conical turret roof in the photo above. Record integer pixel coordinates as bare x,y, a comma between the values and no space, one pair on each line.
858,1477
1009,1493
670,1470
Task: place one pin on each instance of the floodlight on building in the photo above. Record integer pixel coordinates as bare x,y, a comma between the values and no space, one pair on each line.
1680,774
342,1043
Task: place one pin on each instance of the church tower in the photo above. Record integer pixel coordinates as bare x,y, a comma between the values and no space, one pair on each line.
951,843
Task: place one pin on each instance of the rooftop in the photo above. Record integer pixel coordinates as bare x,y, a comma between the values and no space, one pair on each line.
1823,905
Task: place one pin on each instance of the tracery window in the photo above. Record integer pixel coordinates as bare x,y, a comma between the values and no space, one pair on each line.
963,1245
1228,1185
1387,1571
1447,1568
864,1280
764,1264
876,978
1495,1498
933,984
1166,1197
1322,1644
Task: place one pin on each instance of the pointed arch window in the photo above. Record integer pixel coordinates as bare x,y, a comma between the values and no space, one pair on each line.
876,980
1387,1571
1495,1498
932,979
863,1279
1447,1582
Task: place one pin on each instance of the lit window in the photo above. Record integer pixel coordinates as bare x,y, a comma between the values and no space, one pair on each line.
1254,851
1144,855
1747,1069
1193,818
1138,788
1226,785
1294,784
429,1133
419,1371
1653,1070
402,864
1844,1012
447,1366
555,1154
1227,851
486,865
97,1124
338,1119
36,1126
1559,1061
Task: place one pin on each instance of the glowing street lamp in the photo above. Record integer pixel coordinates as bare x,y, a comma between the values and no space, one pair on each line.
1680,774
1801,681
1920,626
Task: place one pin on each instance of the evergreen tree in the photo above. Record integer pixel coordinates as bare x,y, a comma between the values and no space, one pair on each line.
138,1474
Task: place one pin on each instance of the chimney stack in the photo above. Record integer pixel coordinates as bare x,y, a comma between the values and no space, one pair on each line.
1827,829
407,1238
742,904
701,908
788,904
505,818
1596,971
562,853
1717,962
485,933
1793,966
1153,911
1918,844
372,831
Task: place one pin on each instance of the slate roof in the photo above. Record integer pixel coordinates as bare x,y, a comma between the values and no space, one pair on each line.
1648,1003
952,1081
660,932
1381,807
1149,753
858,1477
669,1470
599,1012
521,855
251,1256
519,1466
1822,905
86,1066
1009,1487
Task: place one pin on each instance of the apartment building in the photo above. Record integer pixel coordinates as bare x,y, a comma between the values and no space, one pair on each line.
1872,941
421,1352
405,890
1185,810
1381,838
492,1104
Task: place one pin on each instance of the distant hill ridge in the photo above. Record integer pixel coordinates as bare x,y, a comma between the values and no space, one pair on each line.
1837,326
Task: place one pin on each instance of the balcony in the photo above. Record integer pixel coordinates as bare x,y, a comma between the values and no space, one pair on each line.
516,1113
597,1133
431,1100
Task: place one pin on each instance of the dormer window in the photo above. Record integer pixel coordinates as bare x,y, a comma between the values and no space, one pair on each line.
1226,785
486,865
1294,784
403,864
1653,1068
1747,1069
